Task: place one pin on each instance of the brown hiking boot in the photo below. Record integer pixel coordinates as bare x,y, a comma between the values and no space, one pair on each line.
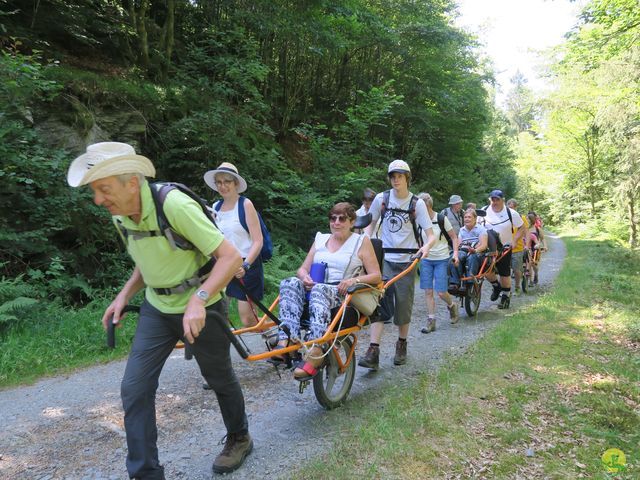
401,353
237,447
371,358
453,312
430,327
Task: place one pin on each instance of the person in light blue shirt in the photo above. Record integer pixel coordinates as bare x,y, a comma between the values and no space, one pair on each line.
472,240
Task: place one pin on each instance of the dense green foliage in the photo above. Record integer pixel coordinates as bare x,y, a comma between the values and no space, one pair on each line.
310,100
579,163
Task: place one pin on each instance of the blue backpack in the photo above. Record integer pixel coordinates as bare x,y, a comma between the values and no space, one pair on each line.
267,245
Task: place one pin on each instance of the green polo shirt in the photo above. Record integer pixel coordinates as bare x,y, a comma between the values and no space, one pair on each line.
162,267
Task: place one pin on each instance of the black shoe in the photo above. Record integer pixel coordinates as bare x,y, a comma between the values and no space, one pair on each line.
505,300
495,294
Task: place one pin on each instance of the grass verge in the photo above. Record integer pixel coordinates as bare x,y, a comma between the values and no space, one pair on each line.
61,341
64,340
544,395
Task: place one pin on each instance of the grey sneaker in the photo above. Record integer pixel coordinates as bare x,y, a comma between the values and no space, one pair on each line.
401,353
237,447
371,359
505,300
453,312
430,327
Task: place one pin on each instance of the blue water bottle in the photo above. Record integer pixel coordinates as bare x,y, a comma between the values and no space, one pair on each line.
318,274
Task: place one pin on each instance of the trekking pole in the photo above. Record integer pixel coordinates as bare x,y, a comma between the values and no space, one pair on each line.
111,327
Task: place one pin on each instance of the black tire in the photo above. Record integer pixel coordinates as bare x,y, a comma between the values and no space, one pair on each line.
472,298
330,386
524,282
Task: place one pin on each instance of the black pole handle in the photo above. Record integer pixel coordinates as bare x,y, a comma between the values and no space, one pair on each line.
224,325
111,328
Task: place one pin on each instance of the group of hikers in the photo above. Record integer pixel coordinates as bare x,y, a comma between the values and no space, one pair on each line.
187,256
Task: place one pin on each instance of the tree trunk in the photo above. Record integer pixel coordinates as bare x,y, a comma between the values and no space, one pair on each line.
142,34
167,42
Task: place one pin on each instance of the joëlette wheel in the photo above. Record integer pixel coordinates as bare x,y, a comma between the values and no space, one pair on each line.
472,298
330,386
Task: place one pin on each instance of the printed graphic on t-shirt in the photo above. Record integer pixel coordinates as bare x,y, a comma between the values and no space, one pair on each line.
395,220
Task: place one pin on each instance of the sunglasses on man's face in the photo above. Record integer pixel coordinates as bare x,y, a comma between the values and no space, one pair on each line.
338,218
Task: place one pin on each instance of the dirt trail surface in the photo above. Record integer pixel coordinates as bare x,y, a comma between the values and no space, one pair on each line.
71,427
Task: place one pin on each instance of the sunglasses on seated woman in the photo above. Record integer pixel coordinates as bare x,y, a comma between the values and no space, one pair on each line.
338,218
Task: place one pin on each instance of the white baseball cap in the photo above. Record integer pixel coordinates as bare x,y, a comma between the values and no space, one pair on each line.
399,166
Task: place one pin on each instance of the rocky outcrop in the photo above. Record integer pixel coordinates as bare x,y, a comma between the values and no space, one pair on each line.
72,125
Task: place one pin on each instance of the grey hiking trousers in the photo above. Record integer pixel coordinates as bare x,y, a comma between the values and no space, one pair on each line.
155,338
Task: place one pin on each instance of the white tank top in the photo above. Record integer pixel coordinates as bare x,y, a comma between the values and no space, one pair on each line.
338,261
229,224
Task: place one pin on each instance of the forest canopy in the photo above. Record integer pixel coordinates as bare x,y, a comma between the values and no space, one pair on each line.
310,100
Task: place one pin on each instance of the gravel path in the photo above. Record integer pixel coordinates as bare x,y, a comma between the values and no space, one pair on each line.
70,427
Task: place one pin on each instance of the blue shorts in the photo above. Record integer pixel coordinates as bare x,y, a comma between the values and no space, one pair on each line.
433,275
253,282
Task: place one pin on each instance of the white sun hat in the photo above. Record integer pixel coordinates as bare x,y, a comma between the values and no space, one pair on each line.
106,159
228,168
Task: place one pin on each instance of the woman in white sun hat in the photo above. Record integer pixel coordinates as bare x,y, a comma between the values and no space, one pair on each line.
244,233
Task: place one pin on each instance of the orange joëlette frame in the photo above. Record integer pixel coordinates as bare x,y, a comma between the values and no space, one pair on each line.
495,258
329,335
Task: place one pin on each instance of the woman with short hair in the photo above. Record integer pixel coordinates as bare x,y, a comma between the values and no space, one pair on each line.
349,259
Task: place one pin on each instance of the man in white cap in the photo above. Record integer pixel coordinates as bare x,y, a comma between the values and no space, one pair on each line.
454,212
171,311
402,216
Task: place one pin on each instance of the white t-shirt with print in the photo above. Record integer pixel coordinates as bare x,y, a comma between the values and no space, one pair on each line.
499,221
396,230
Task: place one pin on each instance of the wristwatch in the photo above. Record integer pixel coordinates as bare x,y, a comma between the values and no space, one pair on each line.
202,295
246,266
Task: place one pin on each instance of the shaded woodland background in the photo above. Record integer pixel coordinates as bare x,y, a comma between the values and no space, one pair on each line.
310,100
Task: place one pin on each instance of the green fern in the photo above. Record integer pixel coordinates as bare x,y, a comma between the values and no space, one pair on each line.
11,288
10,308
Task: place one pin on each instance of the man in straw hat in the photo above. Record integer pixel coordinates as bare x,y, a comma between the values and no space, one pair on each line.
117,177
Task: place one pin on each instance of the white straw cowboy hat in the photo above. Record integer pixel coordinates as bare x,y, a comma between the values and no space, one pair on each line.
106,159
229,169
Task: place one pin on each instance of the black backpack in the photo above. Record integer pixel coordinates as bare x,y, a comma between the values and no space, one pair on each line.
417,231
159,192
443,231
